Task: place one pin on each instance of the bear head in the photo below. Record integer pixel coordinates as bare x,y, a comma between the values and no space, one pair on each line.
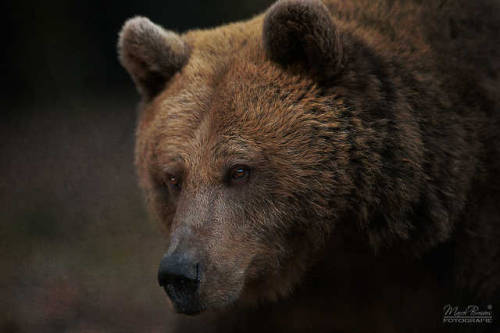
247,149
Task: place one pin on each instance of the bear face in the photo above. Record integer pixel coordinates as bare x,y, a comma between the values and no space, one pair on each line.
224,155
236,185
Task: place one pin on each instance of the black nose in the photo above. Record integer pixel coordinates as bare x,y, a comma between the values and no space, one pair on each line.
179,276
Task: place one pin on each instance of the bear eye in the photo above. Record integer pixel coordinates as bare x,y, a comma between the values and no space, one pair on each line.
239,173
173,181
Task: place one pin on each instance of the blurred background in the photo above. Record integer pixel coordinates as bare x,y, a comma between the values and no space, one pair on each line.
78,250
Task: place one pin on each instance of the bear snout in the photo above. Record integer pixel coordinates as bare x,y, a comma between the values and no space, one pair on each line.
179,275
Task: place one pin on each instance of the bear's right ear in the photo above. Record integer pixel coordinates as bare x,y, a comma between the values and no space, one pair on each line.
150,54
302,32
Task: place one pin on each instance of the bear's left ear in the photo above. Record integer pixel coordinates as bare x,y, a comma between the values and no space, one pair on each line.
151,54
302,31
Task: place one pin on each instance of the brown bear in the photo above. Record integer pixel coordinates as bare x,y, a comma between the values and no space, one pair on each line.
326,166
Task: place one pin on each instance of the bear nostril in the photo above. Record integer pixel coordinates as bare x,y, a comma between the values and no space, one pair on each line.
179,288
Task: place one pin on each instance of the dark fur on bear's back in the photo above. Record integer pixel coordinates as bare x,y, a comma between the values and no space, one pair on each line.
371,129
445,71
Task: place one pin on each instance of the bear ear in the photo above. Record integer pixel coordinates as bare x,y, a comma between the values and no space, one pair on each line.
150,54
302,31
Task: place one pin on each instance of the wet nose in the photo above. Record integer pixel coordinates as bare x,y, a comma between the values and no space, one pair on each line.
179,275
176,268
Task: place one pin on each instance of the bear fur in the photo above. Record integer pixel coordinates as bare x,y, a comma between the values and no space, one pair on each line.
332,166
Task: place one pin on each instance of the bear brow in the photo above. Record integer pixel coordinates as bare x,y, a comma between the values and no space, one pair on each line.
169,159
238,149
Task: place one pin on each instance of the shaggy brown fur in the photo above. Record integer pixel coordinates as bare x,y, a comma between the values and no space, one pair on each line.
370,133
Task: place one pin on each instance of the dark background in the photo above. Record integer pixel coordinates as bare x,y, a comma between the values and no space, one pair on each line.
78,250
